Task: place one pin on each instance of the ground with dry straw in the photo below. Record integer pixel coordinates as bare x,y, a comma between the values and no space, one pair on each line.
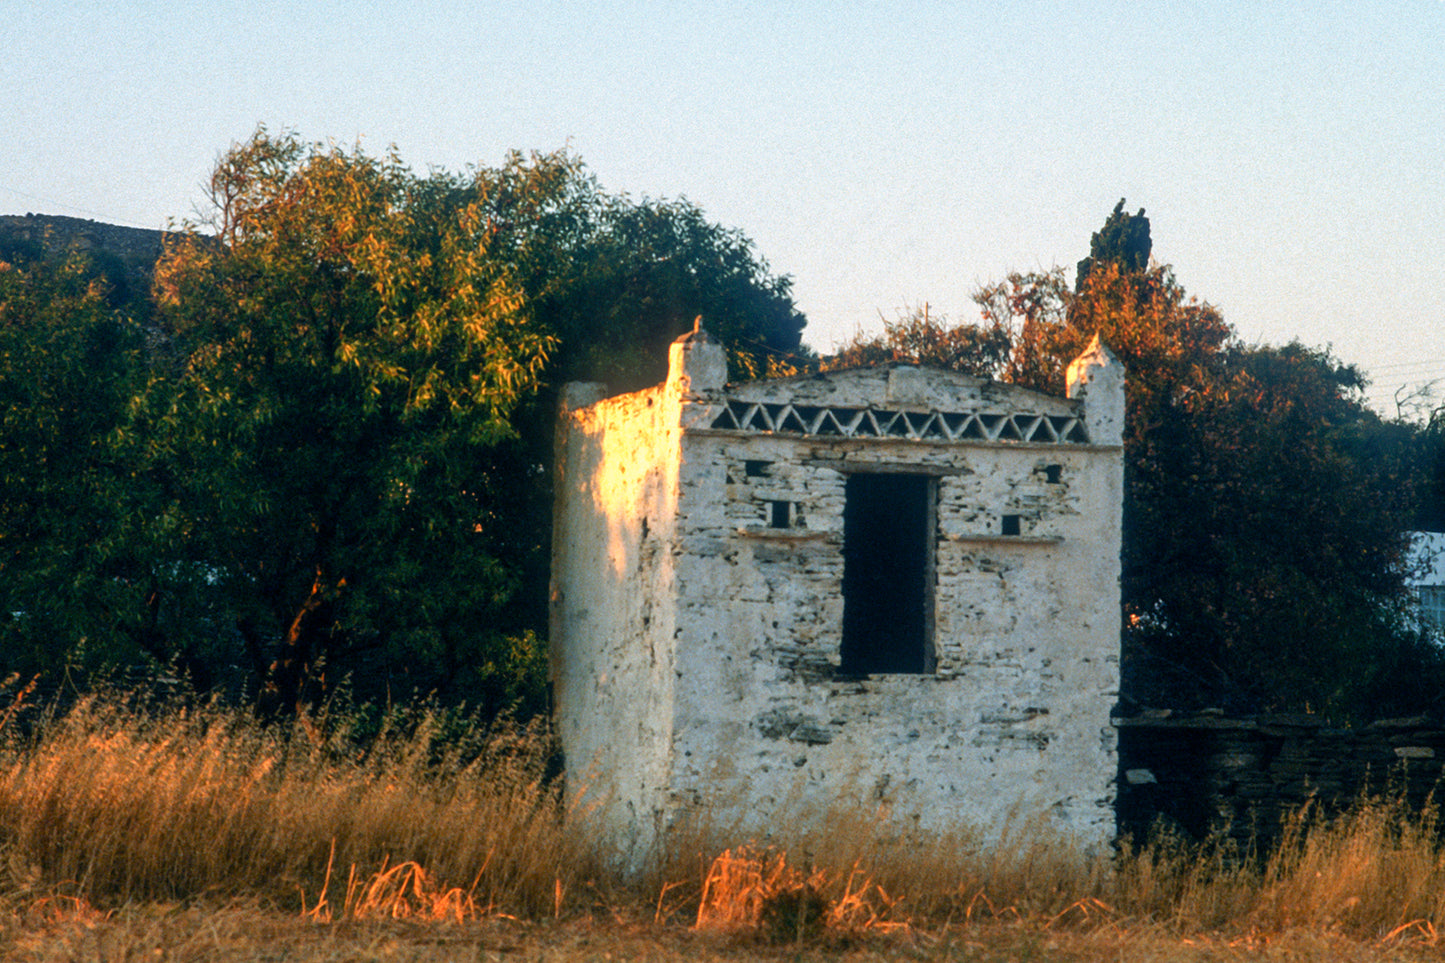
249,935
130,832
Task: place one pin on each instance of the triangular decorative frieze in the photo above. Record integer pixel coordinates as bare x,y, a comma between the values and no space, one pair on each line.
739,415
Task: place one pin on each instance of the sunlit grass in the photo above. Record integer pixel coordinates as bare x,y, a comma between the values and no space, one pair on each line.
118,805
108,807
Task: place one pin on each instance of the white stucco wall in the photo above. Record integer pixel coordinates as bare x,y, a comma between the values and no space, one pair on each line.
612,622
696,657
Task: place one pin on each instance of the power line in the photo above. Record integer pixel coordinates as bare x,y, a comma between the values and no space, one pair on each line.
105,218
1427,362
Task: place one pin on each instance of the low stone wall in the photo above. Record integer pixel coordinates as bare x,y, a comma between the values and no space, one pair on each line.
1203,773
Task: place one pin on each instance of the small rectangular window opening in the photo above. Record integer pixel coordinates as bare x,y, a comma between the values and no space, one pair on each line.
889,526
1053,474
1432,604
1011,525
756,469
780,514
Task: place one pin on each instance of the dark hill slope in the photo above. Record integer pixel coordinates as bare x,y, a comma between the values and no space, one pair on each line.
126,256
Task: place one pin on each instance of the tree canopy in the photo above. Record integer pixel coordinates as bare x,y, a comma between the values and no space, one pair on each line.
1431,513
1266,507
324,460
1123,241
917,336
320,455
68,364
625,278
347,346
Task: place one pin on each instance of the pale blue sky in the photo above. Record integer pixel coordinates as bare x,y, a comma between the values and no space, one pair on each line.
1291,155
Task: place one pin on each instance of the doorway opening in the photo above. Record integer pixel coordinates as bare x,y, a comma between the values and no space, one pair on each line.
888,535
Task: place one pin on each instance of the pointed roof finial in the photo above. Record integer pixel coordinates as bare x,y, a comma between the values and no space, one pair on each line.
698,334
697,362
1097,378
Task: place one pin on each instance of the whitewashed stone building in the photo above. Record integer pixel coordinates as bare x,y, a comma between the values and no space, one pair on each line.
894,588
1427,577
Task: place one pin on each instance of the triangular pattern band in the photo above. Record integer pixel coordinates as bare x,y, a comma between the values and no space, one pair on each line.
739,415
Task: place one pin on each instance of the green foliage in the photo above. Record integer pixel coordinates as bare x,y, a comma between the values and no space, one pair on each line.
1266,544
1265,506
617,281
1166,339
320,457
336,464
1123,242
68,595
918,338
1431,512
350,346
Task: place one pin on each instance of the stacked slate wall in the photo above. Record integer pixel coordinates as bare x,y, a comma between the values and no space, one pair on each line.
1206,773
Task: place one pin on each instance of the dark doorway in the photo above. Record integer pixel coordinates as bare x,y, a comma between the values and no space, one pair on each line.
888,523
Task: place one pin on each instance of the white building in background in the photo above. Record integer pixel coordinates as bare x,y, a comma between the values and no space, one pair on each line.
1429,581
894,589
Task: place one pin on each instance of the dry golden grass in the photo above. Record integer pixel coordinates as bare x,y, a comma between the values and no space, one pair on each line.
120,806
207,834
245,934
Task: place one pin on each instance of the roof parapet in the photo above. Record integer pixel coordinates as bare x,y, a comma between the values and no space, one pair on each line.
696,363
1096,378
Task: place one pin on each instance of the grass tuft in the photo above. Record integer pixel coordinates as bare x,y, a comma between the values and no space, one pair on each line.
110,806
118,805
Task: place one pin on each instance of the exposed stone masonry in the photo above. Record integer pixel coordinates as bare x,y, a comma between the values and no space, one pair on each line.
1203,773
701,577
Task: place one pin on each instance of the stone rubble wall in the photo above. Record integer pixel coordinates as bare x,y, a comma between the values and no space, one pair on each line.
1013,722
1207,773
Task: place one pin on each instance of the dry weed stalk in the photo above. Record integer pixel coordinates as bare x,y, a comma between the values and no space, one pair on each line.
51,910
752,888
748,888
406,892
18,700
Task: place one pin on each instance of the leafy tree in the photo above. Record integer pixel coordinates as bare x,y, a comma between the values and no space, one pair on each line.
1430,514
620,280
1123,242
349,346
1168,340
327,456
919,338
1265,504
616,281
346,443
68,594
1266,545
